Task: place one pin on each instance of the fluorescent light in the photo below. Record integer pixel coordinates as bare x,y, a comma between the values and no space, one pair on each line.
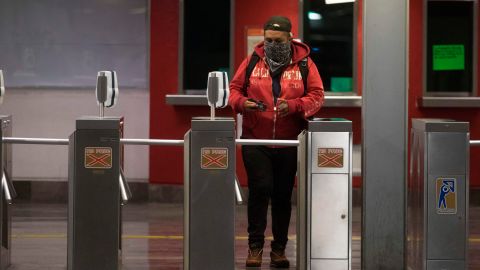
338,1
314,16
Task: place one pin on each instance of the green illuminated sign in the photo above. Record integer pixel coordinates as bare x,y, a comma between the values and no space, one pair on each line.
341,84
448,57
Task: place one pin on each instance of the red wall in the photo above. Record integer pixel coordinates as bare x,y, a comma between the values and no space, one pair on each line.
167,121
171,122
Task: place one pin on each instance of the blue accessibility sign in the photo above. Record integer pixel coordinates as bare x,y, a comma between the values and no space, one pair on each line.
446,195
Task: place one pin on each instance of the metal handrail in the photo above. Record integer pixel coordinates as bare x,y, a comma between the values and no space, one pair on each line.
151,142
48,141
52,141
266,142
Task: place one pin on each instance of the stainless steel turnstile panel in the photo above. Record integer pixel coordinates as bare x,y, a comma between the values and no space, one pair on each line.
438,187
443,230
446,265
209,195
324,195
303,202
5,208
94,195
451,147
330,216
329,264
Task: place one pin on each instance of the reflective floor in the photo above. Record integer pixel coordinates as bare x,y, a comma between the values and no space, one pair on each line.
152,237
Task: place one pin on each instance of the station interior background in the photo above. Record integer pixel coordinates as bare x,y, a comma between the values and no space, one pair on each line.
52,55
51,51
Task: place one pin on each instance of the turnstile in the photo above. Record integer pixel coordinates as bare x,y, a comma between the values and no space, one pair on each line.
437,205
7,193
324,204
209,200
94,215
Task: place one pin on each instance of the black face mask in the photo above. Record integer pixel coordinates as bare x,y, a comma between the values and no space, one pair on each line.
278,52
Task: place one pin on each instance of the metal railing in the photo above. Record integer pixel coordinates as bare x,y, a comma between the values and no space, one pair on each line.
125,192
171,142
52,141
47,141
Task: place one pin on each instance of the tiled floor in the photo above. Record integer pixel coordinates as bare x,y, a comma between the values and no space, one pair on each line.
152,237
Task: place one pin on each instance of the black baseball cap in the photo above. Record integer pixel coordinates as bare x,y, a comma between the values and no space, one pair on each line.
278,23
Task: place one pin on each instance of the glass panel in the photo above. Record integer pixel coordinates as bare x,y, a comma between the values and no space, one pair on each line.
449,46
204,52
328,30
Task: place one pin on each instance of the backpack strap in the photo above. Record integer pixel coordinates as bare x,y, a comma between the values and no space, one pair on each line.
251,65
303,65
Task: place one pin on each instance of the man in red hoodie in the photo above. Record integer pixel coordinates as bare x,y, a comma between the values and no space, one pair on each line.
274,105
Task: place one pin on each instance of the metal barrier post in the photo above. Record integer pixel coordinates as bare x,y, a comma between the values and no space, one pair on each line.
94,194
324,205
7,193
209,186
438,188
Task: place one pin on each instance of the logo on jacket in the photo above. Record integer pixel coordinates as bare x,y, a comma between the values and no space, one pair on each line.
446,195
260,72
293,74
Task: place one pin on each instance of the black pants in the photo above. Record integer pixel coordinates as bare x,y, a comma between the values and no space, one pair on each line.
271,175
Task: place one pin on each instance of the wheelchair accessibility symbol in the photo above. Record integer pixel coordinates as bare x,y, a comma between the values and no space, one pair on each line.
446,195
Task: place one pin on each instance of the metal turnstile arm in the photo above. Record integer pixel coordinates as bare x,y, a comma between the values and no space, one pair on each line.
125,191
238,192
8,188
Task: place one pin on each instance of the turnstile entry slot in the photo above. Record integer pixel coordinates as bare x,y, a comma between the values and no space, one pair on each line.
125,191
324,205
438,188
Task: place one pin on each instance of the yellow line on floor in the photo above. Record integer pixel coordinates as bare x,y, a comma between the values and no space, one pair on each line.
173,237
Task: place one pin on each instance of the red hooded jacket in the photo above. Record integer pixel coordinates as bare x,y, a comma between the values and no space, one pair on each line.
267,124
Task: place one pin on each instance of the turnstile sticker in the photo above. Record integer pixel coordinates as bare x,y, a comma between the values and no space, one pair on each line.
214,158
446,195
330,157
98,157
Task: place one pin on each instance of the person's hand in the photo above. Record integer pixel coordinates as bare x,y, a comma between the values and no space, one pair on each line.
282,108
250,106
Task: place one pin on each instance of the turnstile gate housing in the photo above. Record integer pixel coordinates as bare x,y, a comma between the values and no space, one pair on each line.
324,215
5,209
438,187
209,206
94,223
